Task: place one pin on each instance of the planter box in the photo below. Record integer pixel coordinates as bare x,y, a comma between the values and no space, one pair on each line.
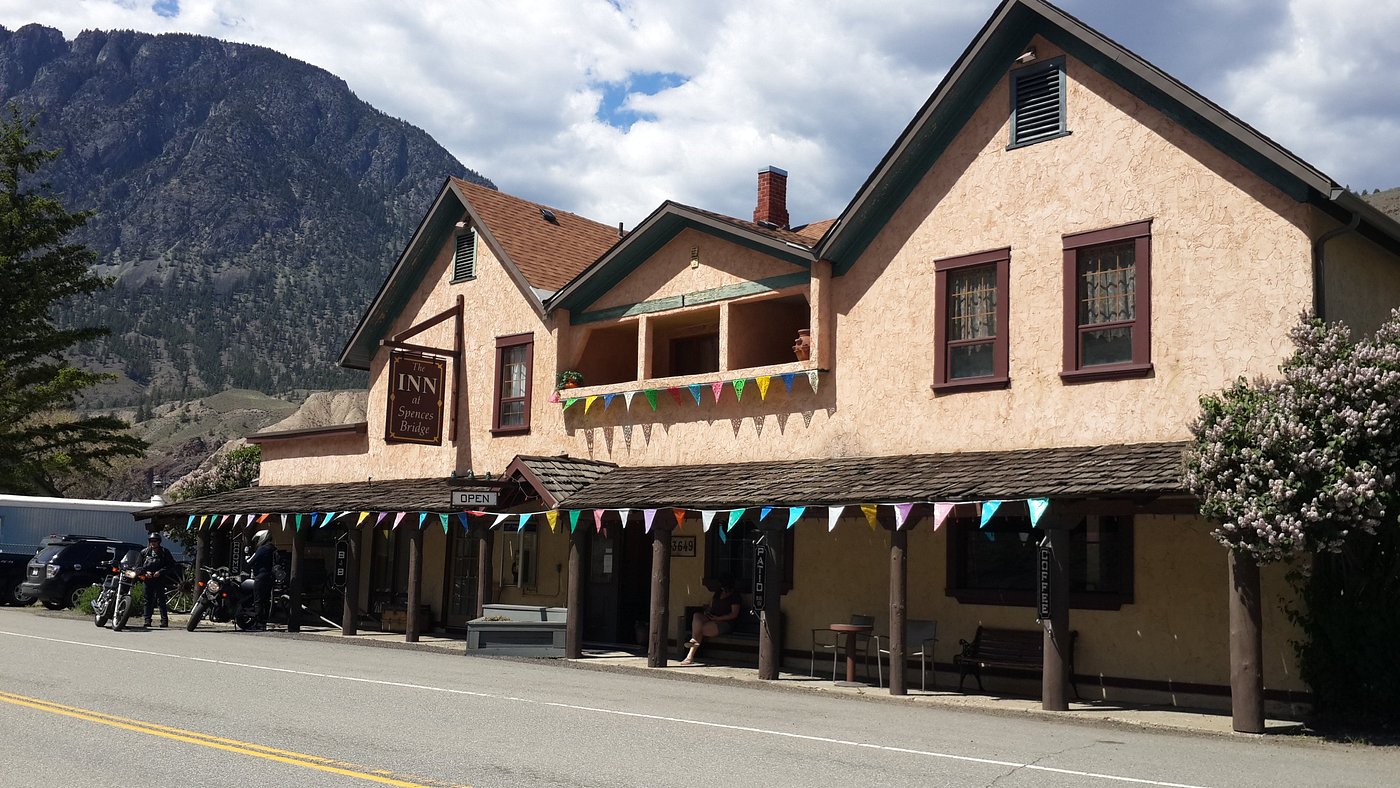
528,632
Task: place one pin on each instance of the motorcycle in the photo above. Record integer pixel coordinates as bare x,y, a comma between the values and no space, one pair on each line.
114,601
230,596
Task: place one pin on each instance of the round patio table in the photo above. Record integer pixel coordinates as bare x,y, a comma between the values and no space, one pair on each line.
851,631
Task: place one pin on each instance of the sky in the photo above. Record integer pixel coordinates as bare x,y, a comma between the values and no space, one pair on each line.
608,107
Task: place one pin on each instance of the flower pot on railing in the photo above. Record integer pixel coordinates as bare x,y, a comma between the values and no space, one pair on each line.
803,347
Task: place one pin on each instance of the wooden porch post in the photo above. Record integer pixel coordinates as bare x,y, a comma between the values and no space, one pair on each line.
294,582
1055,663
350,616
201,553
899,591
415,582
485,577
657,633
770,619
578,563
1246,646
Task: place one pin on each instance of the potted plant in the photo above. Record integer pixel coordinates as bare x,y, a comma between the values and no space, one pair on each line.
569,379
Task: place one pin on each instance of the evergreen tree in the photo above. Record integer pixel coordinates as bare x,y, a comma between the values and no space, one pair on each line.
43,444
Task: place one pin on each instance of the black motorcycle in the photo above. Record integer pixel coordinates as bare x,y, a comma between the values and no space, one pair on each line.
230,596
114,602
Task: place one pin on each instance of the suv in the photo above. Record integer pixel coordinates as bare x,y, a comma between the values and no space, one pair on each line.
66,565
11,577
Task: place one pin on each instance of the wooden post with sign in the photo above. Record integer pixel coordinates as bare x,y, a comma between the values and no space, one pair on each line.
657,633
899,592
1052,606
294,582
767,594
412,626
350,616
578,560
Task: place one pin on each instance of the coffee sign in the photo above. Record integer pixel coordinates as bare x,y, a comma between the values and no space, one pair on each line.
416,388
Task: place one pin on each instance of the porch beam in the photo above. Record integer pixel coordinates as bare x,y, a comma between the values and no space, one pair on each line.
350,615
578,560
412,625
657,633
899,593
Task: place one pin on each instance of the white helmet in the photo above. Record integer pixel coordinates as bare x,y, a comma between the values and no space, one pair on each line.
261,538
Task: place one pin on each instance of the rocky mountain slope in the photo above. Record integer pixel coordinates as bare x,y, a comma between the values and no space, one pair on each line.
247,204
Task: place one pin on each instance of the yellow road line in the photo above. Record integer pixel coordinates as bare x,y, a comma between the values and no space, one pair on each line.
216,742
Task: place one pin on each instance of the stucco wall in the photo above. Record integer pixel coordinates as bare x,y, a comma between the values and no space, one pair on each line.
1362,280
313,460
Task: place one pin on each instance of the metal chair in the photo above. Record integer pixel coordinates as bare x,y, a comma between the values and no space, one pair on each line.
924,634
827,638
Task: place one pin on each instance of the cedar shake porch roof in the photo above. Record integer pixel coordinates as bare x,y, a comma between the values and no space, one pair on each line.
558,477
1151,469
390,495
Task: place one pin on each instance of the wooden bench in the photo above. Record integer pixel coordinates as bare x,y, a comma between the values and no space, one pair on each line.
1016,649
743,638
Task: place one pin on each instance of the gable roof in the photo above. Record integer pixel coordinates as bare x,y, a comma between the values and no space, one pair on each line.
987,60
556,478
660,227
540,255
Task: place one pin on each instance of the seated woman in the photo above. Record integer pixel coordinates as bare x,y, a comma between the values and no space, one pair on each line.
716,619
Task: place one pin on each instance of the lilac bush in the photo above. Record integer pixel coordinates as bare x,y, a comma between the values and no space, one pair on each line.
1296,465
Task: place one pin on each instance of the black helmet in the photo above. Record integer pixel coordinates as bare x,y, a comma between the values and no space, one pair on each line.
154,537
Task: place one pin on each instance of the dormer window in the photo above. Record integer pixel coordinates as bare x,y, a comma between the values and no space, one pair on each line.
1038,103
464,255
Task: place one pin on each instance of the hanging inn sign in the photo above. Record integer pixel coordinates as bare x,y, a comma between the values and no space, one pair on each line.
416,387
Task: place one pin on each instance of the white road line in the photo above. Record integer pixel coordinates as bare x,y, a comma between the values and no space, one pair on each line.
619,713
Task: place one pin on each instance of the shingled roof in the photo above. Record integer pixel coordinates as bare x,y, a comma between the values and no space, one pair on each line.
1090,471
548,253
556,478
393,495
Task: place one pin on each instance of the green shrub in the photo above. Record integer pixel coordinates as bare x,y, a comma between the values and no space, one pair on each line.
138,597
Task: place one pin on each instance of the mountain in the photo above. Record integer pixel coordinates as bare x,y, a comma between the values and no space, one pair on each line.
247,204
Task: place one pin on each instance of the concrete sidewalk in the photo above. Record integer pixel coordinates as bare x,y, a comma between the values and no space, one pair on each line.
1146,717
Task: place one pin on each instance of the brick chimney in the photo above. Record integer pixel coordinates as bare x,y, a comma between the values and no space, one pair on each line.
772,197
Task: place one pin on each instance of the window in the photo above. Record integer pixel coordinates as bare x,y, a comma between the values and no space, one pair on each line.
464,256
515,357
519,560
733,556
1038,103
970,334
996,565
1108,303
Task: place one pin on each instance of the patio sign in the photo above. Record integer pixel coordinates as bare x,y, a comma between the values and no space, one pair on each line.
760,572
416,387
683,546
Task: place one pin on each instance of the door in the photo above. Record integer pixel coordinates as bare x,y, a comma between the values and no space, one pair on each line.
619,586
459,587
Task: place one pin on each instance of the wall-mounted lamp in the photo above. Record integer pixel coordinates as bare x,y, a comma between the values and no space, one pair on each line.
462,225
694,257
1026,57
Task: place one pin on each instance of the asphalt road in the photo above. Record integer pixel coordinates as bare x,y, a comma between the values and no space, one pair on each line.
87,706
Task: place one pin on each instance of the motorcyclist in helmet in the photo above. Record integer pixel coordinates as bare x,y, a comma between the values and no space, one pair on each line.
261,563
157,564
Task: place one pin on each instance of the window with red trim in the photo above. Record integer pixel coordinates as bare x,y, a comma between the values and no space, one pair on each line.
970,332
1108,304
515,358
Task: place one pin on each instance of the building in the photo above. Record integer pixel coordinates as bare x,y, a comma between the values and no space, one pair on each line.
1001,344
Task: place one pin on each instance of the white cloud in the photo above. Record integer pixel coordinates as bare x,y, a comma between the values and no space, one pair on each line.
819,88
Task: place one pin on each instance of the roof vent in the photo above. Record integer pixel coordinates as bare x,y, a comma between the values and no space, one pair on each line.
548,216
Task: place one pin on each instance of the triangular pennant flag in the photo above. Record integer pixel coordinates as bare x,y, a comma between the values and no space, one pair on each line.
552,517
598,519
651,397
812,379
284,522
361,521
870,510
554,396
647,516
462,518
189,522
573,519
627,398
569,402
787,380
718,388
622,515
940,514
314,517
299,523
739,388
607,400
763,381
680,517
734,517
500,518
443,518
421,517
722,538
398,518
524,518
675,392
794,514
1037,507
989,509
261,518
762,513
707,516
901,514
833,513
695,392
588,402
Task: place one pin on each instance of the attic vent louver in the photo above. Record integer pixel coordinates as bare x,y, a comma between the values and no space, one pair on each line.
464,256
1038,103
